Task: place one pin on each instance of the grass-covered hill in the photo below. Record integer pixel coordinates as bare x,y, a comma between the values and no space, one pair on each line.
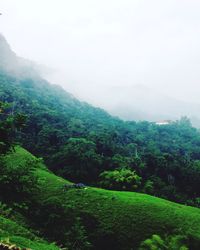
93,218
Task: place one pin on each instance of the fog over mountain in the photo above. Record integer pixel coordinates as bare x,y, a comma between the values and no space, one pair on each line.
137,59
14,65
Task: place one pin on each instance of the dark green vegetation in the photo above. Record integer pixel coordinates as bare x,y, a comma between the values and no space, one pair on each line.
93,218
80,142
9,123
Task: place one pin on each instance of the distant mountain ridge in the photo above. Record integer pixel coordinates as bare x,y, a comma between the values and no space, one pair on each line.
148,104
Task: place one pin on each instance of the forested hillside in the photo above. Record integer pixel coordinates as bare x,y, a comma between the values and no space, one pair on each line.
80,142
37,205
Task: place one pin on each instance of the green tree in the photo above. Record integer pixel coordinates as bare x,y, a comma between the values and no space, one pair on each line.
79,161
53,218
9,124
156,242
17,181
120,179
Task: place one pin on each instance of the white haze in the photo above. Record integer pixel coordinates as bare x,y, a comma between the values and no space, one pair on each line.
136,58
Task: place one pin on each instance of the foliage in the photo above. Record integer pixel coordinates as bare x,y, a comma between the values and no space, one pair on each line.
17,181
154,243
176,242
61,223
120,179
5,211
9,124
78,160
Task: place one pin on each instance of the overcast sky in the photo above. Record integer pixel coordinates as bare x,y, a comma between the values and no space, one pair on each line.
96,48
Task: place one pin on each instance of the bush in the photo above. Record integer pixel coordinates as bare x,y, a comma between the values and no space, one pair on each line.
17,181
61,223
175,242
120,179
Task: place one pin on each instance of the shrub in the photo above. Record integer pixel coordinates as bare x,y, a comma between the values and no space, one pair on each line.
174,242
120,179
17,181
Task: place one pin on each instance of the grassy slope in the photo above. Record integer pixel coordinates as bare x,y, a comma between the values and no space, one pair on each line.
14,233
128,217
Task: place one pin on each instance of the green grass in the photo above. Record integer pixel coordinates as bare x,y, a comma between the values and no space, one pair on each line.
125,217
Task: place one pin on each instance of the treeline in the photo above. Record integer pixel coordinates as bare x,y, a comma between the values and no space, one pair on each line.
85,144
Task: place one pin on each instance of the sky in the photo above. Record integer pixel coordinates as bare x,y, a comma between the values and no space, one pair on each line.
108,51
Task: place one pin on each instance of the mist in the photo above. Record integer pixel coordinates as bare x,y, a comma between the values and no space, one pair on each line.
137,59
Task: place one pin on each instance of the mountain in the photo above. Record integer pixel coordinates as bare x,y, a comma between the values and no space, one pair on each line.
139,102
84,149
15,65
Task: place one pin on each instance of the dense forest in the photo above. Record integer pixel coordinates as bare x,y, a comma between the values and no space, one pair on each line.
81,152
85,144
